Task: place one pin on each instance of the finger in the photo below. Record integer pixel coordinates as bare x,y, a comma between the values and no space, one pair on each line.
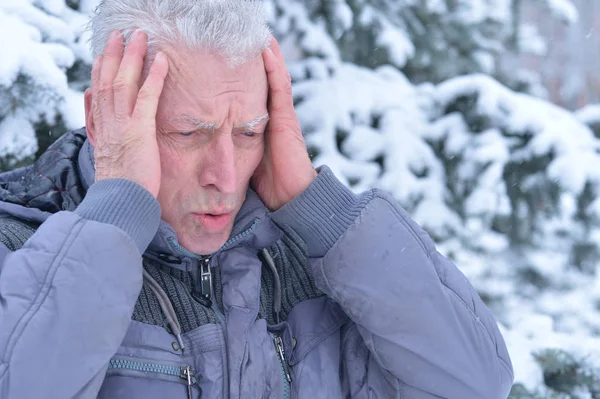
126,84
110,66
96,67
149,94
280,86
276,49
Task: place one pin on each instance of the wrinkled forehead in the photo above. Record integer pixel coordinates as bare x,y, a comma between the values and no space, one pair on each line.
202,84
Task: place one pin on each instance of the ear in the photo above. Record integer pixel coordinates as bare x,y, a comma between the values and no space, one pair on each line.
89,117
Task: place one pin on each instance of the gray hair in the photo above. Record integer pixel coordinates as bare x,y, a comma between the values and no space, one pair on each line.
235,29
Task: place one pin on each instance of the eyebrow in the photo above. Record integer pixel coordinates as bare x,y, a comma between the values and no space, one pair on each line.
203,125
252,124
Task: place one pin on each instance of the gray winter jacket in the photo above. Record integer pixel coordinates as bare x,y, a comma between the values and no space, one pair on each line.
334,295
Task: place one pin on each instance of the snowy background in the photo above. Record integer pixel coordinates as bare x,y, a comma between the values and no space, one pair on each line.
482,117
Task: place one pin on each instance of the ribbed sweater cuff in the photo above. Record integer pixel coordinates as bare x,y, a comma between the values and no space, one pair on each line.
323,212
124,204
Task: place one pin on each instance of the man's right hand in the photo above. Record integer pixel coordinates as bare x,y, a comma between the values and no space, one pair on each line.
123,126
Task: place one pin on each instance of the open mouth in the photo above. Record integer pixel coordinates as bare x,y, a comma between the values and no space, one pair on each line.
213,221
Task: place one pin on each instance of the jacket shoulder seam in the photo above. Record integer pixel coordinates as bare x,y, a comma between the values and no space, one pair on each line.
479,322
408,227
507,366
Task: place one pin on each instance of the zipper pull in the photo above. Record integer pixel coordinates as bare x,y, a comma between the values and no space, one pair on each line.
205,279
204,285
187,373
281,353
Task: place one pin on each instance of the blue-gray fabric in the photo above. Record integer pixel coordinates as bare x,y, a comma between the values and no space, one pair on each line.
388,316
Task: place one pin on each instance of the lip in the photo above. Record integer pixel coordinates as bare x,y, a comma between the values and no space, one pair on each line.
213,222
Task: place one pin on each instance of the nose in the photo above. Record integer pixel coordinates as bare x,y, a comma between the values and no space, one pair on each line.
218,167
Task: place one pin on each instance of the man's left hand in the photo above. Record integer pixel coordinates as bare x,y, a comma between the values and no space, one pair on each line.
285,170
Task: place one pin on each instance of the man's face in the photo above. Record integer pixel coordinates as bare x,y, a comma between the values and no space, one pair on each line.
210,129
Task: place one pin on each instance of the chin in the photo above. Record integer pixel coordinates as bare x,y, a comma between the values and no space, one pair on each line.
204,245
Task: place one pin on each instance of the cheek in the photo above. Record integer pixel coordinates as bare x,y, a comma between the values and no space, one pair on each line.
175,174
177,161
167,184
246,164
251,160
168,162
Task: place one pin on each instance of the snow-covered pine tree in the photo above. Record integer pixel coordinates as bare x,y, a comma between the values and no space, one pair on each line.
44,69
505,183
590,115
522,176
525,39
429,41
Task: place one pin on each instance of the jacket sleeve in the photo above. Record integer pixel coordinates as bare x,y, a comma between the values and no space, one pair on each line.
417,313
67,296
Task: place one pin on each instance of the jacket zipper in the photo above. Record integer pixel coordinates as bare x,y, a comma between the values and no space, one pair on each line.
204,287
205,290
185,373
241,235
285,367
188,374
287,376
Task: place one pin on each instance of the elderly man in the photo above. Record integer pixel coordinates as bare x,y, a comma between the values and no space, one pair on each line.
183,246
